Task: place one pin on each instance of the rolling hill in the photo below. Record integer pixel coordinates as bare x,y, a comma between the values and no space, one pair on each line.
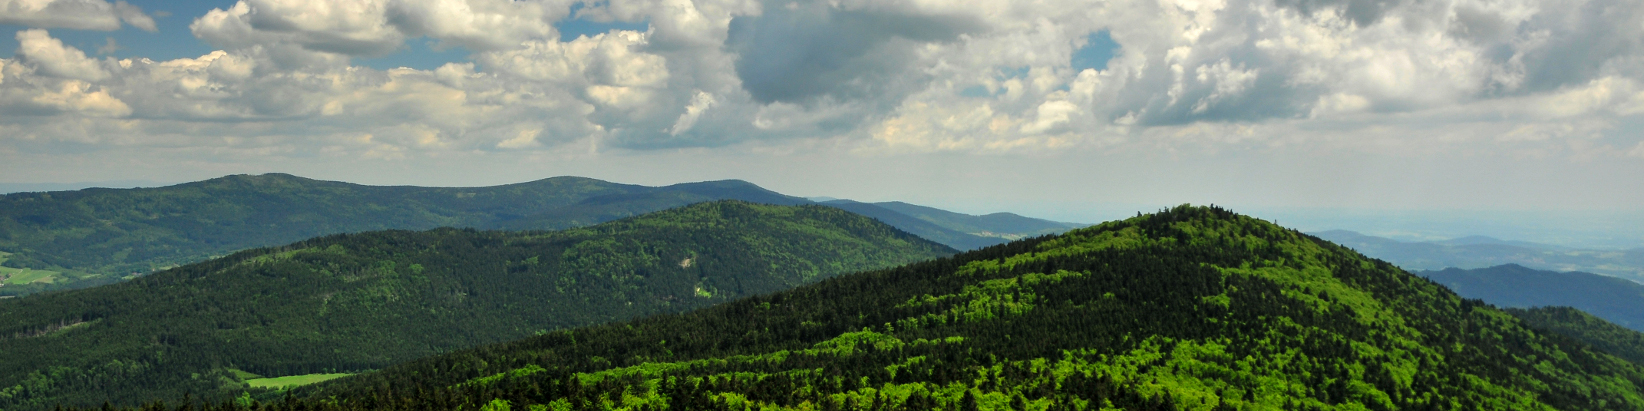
352,302
77,239
1187,309
957,230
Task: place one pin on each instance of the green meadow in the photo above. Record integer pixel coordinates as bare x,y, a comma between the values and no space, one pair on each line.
24,275
293,380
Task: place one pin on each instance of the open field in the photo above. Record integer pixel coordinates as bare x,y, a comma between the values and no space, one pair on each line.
24,275
293,380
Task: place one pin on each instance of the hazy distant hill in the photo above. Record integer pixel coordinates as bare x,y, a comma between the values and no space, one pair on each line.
960,231
952,238
1006,226
361,301
75,239
1481,252
1188,309
1618,300
607,207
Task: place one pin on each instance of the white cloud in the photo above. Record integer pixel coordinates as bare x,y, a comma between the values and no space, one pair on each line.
699,104
74,14
48,55
900,75
477,24
379,27
78,97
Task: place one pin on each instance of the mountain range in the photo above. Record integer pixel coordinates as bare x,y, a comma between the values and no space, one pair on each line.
75,239
1481,252
654,298
351,302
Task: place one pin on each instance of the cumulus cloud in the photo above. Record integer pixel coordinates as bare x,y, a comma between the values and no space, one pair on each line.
48,55
378,27
74,14
895,75
797,51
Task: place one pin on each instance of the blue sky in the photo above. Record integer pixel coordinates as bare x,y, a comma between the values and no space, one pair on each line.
1070,109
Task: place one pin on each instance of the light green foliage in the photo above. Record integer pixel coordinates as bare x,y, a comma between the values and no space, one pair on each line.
293,380
24,275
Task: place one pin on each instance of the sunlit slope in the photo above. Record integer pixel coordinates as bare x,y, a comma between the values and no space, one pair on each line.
1191,308
362,301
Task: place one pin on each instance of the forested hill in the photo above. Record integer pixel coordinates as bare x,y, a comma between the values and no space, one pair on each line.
80,238
77,239
353,302
1188,309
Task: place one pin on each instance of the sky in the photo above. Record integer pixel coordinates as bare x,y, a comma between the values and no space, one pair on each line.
1420,117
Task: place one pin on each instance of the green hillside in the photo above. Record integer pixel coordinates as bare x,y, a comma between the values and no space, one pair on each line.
97,236
99,233
354,302
1570,322
1188,309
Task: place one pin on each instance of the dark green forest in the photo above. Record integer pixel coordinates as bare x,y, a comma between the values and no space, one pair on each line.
1193,308
355,302
1581,326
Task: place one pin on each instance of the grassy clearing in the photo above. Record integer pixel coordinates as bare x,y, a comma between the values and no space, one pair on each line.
293,380
24,275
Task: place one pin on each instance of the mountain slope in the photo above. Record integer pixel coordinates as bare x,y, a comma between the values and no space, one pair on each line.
1481,252
643,200
960,231
1570,322
362,301
64,240
928,230
96,236
1006,226
1191,308
119,232
1617,300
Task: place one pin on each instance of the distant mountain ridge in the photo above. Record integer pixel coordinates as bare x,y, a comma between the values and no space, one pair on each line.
73,239
352,302
1617,300
1481,252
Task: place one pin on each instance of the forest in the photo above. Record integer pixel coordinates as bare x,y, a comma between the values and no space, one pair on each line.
355,302
1191,308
